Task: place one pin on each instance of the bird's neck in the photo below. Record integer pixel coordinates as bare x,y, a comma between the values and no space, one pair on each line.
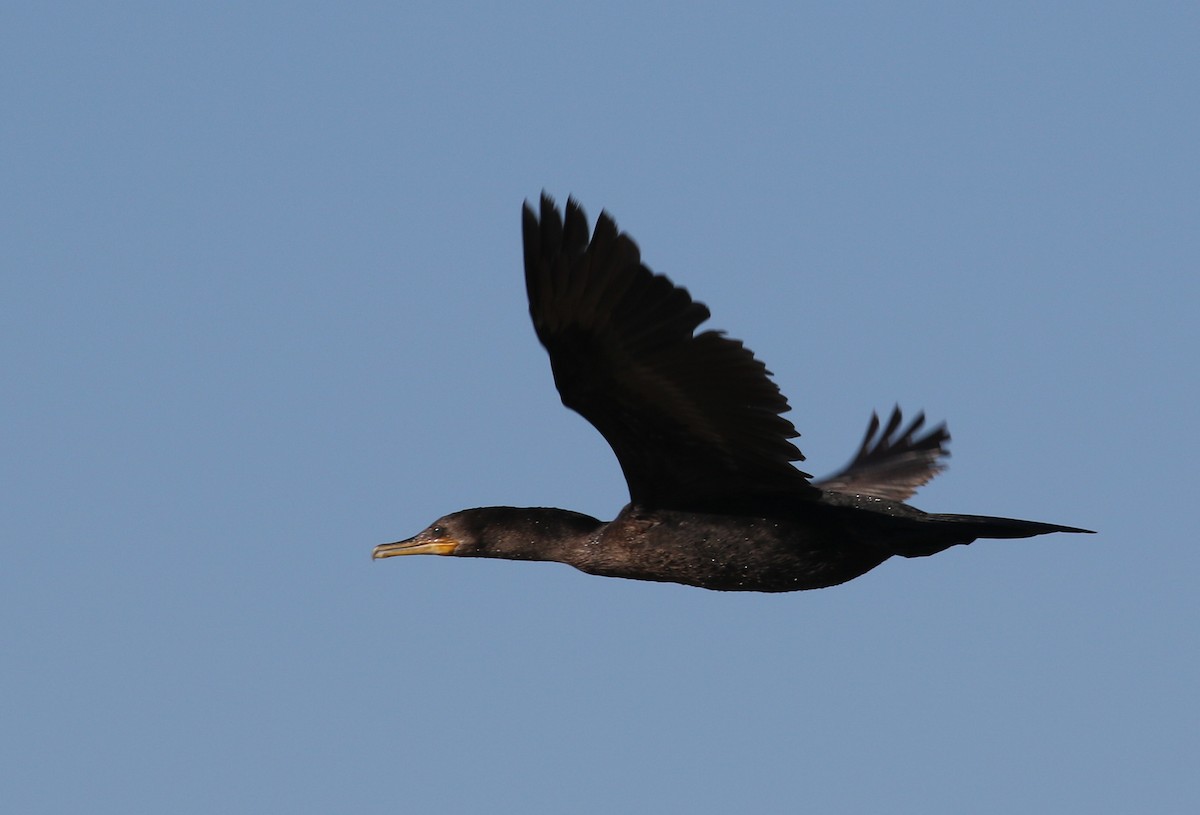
541,533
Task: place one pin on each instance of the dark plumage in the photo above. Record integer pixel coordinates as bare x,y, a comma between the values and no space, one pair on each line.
696,424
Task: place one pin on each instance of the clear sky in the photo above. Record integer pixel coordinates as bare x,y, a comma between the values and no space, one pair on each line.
263,309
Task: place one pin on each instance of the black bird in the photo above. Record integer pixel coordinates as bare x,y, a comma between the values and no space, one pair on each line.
695,421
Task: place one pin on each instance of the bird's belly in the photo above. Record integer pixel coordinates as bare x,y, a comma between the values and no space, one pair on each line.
727,553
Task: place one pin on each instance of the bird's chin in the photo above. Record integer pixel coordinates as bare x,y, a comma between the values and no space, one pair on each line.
439,546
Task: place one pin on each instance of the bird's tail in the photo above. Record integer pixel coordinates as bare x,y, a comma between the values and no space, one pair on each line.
947,530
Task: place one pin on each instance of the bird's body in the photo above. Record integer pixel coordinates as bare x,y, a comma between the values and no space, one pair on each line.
696,424
767,551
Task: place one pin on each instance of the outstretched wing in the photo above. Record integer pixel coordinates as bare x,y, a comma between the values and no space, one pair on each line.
893,466
691,417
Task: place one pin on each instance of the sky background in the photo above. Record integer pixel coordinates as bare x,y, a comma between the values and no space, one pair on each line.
263,308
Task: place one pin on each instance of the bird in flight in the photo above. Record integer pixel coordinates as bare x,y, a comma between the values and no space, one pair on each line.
697,425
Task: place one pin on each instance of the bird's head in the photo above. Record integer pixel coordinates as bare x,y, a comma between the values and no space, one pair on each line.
514,533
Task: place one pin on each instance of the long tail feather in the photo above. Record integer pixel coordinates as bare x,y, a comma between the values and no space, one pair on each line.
941,531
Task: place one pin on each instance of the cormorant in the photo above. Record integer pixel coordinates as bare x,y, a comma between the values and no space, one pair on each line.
695,422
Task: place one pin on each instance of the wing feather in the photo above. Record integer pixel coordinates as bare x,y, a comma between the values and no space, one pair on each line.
890,465
691,417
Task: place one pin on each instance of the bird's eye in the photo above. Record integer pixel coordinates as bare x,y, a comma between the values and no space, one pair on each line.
438,531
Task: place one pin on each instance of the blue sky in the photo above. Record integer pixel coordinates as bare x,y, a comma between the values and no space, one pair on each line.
263,309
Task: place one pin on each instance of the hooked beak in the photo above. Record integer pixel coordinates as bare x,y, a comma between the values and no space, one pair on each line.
420,545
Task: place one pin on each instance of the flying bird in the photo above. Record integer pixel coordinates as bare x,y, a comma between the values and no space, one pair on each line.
697,425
